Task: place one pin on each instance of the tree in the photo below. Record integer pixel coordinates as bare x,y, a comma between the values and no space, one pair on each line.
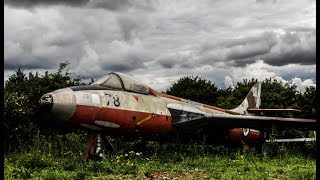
195,89
230,98
307,103
21,101
274,94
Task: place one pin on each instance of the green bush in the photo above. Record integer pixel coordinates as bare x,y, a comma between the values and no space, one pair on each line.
35,161
22,118
52,175
83,174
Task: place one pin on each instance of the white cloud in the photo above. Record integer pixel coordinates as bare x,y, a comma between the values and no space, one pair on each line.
228,82
258,70
302,85
261,71
280,79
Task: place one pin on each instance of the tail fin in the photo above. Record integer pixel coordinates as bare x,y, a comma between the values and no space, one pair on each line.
252,100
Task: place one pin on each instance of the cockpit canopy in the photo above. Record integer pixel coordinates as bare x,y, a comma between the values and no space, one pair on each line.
122,81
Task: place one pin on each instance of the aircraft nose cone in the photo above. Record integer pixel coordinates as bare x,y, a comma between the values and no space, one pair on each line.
46,101
60,104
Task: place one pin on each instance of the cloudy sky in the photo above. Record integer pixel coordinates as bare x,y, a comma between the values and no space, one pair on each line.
159,41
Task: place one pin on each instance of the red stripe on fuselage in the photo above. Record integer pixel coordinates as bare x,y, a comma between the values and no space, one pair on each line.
126,119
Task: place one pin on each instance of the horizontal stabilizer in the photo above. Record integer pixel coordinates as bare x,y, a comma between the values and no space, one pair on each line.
273,110
293,140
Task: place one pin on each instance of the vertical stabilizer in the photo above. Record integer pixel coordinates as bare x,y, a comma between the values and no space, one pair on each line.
252,100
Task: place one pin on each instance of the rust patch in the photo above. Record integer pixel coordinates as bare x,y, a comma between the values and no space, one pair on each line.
153,92
136,97
170,97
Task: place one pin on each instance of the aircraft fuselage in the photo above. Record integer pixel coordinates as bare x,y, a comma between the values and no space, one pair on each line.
122,113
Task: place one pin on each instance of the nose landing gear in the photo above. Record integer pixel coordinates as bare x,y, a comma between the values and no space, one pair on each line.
96,146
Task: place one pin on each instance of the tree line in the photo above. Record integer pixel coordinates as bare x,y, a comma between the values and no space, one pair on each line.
22,119
274,94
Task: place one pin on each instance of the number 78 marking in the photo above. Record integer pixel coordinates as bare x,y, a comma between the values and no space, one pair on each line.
115,98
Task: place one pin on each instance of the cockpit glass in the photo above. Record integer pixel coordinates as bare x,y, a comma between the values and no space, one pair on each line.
102,80
123,82
111,81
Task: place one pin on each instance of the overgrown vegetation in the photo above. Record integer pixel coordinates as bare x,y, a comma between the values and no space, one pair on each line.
168,161
21,108
35,148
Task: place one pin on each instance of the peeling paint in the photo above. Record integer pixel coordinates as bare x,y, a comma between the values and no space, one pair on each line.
91,127
107,124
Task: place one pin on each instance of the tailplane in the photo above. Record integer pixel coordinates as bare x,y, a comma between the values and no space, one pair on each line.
252,100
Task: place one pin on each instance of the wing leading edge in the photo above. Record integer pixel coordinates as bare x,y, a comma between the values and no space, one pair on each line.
189,117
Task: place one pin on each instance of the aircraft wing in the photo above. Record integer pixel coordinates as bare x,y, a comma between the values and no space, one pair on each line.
192,118
274,110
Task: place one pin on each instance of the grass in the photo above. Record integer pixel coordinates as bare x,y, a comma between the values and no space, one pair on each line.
165,162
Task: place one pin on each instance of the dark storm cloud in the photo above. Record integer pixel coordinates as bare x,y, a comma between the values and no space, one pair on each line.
124,64
296,56
115,5
293,48
180,59
14,64
128,26
266,1
132,26
110,4
267,37
167,63
121,4
251,47
124,57
248,51
33,3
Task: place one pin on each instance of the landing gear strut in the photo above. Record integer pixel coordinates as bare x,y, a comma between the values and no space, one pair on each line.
96,145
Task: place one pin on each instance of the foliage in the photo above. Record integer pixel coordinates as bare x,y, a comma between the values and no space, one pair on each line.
274,95
28,91
195,89
307,103
277,95
230,98
21,107
168,161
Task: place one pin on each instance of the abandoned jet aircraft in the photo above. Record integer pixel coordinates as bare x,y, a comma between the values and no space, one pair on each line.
119,105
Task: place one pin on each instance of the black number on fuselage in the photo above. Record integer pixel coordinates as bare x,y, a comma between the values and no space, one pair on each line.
108,101
116,100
